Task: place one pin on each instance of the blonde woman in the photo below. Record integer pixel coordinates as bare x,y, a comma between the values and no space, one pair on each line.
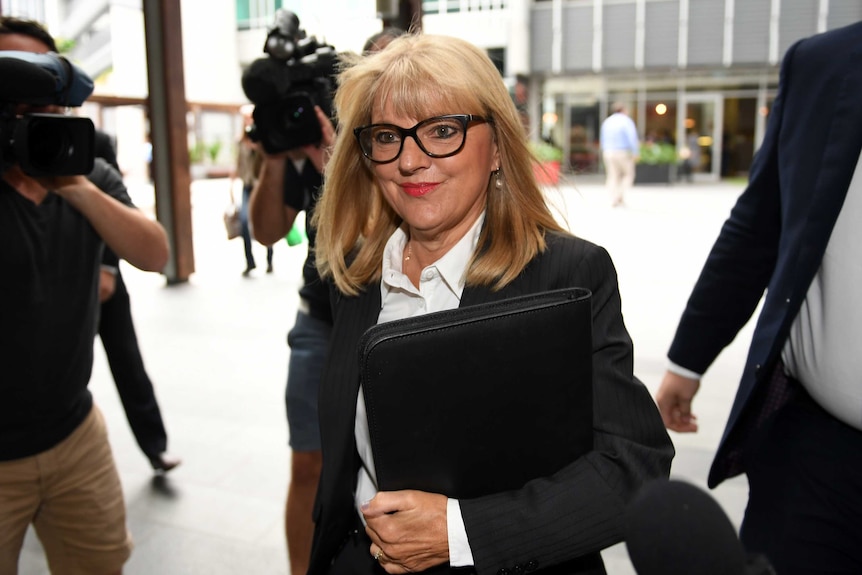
430,203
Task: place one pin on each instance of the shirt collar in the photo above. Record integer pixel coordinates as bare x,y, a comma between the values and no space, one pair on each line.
452,266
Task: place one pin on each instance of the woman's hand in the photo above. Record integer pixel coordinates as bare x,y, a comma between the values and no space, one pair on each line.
408,530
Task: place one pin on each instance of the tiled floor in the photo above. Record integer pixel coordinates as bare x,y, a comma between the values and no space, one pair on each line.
215,348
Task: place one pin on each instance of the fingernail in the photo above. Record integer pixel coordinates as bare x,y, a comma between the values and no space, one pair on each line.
365,505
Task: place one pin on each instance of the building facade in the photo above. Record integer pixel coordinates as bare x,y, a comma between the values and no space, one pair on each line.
699,75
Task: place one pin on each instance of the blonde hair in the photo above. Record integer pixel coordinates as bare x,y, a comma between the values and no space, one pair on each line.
423,75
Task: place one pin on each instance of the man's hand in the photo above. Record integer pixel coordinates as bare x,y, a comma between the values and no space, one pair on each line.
319,154
674,399
61,185
107,284
408,530
271,218
37,188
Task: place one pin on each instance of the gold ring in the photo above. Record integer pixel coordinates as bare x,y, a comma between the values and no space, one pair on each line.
378,554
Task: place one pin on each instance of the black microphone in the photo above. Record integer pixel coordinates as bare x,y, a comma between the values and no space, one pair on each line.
673,527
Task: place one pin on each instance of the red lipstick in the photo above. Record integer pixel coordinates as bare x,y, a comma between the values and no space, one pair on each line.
418,190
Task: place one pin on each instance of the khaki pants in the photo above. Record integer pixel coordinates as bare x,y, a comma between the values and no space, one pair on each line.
72,495
620,172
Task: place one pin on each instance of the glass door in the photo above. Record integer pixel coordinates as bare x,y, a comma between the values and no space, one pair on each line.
699,140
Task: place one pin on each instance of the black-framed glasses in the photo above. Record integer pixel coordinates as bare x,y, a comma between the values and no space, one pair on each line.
438,137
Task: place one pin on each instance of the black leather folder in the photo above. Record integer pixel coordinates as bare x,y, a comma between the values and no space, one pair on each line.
480,399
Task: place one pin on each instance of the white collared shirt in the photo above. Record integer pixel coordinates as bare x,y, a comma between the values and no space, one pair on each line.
440,288
821,350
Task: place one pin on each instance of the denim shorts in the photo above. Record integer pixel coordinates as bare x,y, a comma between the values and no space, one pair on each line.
309,343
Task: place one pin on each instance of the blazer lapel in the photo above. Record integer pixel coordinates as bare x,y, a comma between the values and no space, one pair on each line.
340,384
354,316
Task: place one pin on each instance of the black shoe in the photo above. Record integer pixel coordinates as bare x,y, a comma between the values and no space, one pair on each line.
164,462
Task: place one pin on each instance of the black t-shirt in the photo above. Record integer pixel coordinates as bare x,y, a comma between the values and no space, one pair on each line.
50,257
301,191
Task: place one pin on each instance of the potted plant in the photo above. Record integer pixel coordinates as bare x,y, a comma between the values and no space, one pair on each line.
657,163
216,170
547,166
213,151
197,154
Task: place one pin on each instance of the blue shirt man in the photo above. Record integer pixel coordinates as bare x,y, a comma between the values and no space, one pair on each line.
620,145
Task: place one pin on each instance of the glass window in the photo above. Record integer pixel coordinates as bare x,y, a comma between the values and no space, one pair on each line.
430,6
242,12
660,121
584,136
256,13
498,56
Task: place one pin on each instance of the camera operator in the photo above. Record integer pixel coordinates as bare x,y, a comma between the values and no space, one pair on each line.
288,184
291,89
56,466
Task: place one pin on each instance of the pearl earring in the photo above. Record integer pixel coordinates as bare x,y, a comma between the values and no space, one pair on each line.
499,182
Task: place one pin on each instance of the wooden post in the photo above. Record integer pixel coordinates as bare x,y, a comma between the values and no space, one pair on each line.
409,16
168,132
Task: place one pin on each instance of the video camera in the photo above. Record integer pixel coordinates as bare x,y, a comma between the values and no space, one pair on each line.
284,86
44,144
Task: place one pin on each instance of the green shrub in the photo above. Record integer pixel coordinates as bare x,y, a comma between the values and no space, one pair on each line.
546,152
213,150
197,152
658,153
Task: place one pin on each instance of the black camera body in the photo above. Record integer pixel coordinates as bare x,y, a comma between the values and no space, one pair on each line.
47,144
297,74
44,144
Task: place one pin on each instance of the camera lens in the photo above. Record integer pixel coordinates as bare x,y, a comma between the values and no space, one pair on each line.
53,145
48,144
296,115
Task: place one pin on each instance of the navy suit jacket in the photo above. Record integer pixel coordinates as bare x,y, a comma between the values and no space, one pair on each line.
776,234
552,520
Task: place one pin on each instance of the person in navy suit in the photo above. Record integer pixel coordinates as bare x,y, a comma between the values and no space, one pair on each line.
795,428
430,204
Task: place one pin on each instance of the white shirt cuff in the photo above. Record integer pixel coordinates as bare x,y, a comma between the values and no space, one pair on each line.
679,370
460,554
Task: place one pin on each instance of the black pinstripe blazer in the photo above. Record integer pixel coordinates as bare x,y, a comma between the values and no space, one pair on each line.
553,524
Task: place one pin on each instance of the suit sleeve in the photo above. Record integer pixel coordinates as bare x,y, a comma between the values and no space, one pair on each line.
579,510
743,257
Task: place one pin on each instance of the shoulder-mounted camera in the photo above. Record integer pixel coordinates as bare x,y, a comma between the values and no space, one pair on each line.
297,74
43,144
